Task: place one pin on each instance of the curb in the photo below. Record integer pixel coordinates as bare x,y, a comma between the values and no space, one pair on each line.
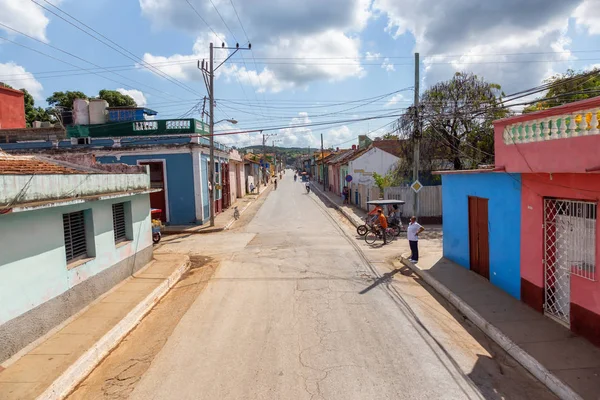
69,379
211,230
532,365
337,206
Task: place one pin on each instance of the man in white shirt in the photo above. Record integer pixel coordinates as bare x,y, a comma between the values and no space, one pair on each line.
412,232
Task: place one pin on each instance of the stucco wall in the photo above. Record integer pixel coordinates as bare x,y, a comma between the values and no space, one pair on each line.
12,109
585,187
504,219
33,267
179,180
374,160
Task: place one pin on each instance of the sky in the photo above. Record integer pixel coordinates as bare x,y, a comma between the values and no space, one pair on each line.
342,67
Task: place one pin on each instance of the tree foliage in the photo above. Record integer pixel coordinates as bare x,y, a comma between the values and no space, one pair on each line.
116,99
384,181
33,113
65,99
455,124
567,88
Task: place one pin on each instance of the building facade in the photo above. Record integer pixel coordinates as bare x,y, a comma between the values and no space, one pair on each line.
535,213
67,235
12,108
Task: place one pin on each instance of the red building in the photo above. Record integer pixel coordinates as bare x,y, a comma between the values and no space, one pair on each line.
557,153
12,108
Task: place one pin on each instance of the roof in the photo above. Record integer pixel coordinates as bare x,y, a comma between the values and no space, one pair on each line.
392,146
144,109
31,165
10,90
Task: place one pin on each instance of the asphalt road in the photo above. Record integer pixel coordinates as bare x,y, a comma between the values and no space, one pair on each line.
299,309
292,314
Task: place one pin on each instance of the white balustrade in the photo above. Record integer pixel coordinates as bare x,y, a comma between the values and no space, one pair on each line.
578,123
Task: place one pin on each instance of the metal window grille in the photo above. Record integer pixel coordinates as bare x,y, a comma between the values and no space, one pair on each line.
74,230
119,222
570,249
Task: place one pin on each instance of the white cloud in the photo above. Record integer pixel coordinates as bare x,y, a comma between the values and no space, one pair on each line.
22,79
24,16
588,15
137,95
387,65
298,136
338,137
394,100
511,26
298,36
372,56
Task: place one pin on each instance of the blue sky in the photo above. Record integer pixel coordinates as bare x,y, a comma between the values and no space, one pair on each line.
308,56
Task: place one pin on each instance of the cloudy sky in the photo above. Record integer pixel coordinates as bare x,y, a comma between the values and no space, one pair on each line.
313,62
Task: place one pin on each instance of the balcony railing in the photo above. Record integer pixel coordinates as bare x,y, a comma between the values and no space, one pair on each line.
575,124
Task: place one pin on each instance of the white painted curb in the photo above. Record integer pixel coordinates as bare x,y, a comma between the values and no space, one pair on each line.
532,365
81,368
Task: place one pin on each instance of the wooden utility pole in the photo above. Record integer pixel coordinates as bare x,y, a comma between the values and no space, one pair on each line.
211,131
322,165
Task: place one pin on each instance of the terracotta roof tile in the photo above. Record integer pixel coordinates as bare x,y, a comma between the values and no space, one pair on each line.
28,165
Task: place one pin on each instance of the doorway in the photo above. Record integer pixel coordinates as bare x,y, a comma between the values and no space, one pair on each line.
479,245
157,181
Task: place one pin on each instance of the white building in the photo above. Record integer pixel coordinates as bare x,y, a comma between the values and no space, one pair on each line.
67,235
380,157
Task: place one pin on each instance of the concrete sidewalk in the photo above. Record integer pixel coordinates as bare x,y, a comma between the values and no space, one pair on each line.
223,220
52,368
569,365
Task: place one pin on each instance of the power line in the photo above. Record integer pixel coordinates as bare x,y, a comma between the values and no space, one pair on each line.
203,20
77,57
125,52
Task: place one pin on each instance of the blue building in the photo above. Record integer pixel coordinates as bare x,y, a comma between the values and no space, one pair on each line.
176,152
482,217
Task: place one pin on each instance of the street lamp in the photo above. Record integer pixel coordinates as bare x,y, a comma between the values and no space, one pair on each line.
231,121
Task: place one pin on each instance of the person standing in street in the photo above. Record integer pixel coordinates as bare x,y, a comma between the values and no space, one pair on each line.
412,232
383,225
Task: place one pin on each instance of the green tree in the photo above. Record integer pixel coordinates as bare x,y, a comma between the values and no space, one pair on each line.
116,99
383,181
567,88
33,113
65,99
456,122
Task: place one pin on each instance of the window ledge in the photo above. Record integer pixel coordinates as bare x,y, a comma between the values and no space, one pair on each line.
79,262
123,242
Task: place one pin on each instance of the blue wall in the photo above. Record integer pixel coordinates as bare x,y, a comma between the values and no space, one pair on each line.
180,183
504,223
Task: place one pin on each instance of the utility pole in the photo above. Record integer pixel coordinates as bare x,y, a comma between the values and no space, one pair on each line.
211,131
210,74
322,165
264,141
417,137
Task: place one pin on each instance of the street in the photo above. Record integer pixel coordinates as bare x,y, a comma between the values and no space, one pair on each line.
300,309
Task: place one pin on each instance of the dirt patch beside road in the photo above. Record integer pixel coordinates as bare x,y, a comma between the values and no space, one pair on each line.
118,374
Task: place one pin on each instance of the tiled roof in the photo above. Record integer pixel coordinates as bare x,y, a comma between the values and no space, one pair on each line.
392,146
28,165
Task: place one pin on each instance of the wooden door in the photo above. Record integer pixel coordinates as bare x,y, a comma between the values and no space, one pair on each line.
479,246
157,181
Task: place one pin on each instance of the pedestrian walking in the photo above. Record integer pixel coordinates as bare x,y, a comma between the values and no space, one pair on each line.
412,232
251,187
346,194
383,225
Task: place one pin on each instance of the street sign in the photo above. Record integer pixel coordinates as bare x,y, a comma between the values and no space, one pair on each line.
348,178
416,186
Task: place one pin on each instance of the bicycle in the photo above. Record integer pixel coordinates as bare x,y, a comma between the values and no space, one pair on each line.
373,234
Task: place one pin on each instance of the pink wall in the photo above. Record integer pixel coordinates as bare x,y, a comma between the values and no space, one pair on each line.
557,155
535,187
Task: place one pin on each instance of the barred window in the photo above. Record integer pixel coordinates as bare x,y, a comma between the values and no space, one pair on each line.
119,230
74,231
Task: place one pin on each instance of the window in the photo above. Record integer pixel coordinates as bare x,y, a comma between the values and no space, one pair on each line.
75,235
119,224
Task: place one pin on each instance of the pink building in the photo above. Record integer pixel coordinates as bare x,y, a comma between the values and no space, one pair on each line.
529,225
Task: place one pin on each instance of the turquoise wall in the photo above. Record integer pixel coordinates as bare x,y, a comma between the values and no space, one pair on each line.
33,267
504,223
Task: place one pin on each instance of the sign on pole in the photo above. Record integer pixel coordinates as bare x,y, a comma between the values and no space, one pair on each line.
416,186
